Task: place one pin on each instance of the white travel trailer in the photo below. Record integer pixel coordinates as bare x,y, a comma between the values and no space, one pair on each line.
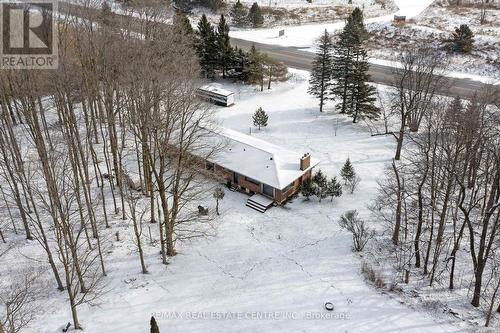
216,95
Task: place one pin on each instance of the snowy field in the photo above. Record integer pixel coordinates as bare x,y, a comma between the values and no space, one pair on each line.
304,36
284,264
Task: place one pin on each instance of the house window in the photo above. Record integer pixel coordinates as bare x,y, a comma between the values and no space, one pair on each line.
251,180
210,166
268,190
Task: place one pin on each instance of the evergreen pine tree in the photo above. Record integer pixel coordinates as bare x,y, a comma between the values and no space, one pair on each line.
463,39
255,15
357,19
154,326
206,46
181,23
260,118
350,71
212,4
307,189
241,64
224,46
334,188
361,94
320,185
256,69
322,70
347,172
239,14
343,68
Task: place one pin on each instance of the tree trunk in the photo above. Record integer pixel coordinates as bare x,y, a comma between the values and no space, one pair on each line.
420,222
162,223
439,237
397,225
399,146
321,99
478,275
454,251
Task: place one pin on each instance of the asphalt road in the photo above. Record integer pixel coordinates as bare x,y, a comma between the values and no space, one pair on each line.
295,58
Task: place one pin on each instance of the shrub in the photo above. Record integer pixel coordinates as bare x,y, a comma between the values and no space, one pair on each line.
356,226
372,276
463,39
307,189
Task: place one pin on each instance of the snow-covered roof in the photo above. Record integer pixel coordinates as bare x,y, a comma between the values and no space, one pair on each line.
260,160
216,90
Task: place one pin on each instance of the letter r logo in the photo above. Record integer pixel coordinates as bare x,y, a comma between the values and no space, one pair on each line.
27,29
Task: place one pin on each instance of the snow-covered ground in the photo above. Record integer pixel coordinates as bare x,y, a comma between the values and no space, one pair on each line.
304,3
481,65
304,36
282,265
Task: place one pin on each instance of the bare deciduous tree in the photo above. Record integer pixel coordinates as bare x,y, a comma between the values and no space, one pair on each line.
361,234
416,79
445,193
136,215
18,300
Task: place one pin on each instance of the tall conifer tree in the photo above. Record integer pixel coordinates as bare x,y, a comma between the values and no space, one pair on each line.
256,69
343,63
322,70
225,51
350,71
239,14
206,46
361,93
255,15
181,23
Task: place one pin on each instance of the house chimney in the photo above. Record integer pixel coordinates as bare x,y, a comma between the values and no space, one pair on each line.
305,161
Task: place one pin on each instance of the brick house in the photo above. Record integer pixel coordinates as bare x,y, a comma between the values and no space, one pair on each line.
270,172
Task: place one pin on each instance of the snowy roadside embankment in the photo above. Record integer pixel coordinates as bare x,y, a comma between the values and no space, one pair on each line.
304,36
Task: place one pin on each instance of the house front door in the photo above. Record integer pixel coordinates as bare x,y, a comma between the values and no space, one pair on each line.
268,190
236,178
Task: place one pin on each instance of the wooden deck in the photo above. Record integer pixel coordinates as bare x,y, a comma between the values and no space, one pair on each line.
259,202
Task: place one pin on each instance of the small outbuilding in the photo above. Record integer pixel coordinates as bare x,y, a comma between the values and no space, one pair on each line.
216,95
399,18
